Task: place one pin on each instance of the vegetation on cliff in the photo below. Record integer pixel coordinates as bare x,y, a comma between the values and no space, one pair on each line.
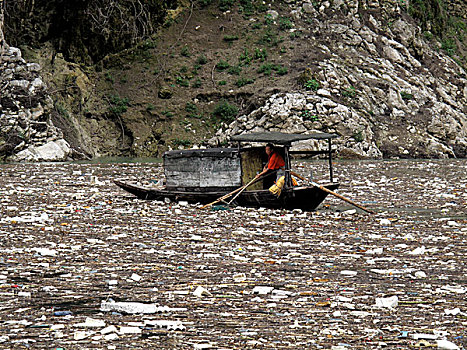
136,77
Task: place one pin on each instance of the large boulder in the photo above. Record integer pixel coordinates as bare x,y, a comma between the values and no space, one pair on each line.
53,151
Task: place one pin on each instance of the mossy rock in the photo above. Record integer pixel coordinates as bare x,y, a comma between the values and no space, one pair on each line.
165,93
305,76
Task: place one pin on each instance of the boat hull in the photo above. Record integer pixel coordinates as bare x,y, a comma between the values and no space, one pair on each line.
307,198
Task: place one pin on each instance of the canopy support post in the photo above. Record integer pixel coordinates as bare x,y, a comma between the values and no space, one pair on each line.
288,177
330,160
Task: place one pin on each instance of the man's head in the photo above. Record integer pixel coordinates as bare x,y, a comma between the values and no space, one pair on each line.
269,149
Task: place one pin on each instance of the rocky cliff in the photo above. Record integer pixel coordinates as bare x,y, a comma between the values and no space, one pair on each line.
26,130
380,73
383,89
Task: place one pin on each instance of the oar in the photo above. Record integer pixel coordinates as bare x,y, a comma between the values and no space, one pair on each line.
222,198
322,188
243,189
237,190
252,182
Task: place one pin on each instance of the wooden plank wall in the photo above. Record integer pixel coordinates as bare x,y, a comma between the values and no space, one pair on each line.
203,172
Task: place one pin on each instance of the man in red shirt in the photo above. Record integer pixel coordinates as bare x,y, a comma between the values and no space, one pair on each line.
275,162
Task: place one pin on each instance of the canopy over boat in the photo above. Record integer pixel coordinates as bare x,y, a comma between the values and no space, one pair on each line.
286,141
281,138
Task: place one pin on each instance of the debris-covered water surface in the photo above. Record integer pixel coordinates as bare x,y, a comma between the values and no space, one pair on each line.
86,265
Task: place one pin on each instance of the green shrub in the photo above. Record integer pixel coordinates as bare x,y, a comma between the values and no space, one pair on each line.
150,107
181,142
118,105
308,116
109,77
201,60
197,83
247,8
149,44
428,35
225,112
256,25
267,69
281,70
230,38
358,136
222,65
244,81
167,114
245,58
225,5
285,23
449,46
349,92
204,3
260,54
191,108
312,84
222,82
295,35
268,19
62,110
185,51
234,70
195,69
406,95
184,69
182,82
269,38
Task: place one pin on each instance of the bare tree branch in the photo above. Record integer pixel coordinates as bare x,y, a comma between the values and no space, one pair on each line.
2,38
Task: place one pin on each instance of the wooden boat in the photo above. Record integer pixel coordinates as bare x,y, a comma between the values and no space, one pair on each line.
204,175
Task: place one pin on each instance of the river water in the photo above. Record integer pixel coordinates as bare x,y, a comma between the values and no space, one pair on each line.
335,278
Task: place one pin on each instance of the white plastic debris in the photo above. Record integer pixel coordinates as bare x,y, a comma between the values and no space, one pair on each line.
136,277
385,222
418,251
446,344
200,291
111,336
239,277
80,335
170,325
453,312
135,308
4,338
262,290
129,330
91,323
389,303
109,329
349,273
417,336
420,274
45,251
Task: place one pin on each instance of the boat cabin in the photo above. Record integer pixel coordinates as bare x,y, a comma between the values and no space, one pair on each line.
224,169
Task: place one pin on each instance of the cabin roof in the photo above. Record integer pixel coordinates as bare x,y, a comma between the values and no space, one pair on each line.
280,137
206,152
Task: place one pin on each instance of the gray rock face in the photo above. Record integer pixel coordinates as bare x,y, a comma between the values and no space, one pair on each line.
385,91
26,130
53,151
